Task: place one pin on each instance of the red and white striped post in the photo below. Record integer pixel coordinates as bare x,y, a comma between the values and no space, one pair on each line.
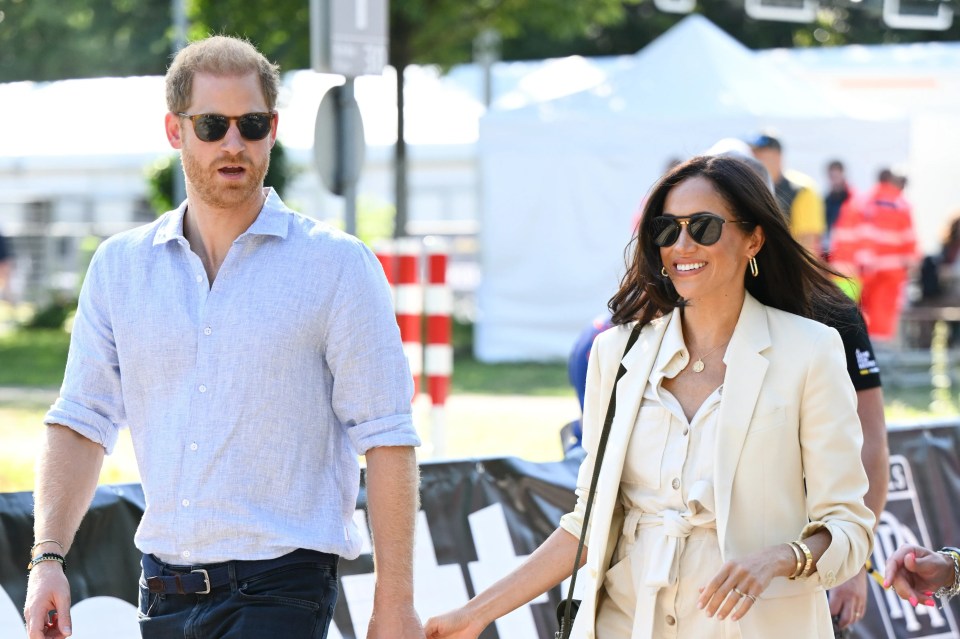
408,304
438,357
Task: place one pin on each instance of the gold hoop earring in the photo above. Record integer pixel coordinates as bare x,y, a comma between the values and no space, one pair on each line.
754,269
663,271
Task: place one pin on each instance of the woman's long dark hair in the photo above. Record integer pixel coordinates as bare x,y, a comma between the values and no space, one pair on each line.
790,279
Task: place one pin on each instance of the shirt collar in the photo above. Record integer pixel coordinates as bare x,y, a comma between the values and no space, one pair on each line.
274,219
673,355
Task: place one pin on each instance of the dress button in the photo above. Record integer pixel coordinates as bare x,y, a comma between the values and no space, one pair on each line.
194,446
202,389
199,278
675,483
670,620
185,502
185,554
685,431
207,330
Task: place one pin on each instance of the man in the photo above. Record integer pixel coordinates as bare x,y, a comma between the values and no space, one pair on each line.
874,241
838,195
795,193
254,354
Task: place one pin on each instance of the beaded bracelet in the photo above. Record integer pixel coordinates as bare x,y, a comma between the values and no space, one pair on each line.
946,592
46,556
808,568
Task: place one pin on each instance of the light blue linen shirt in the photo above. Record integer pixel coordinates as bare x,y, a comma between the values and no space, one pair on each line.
248,401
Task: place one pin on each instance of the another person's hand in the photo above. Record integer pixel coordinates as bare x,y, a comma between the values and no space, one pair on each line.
47,609
849,600
915,573
456,624
402,623
738,584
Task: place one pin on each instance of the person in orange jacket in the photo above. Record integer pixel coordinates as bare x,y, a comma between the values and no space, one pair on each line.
874,242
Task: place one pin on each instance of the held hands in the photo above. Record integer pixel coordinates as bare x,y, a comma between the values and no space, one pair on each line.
849,600
737,585
47,610
915,573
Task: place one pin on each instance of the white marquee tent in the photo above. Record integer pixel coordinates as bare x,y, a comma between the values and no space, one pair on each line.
562,180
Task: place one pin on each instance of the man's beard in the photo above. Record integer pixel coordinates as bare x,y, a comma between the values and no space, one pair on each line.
205,180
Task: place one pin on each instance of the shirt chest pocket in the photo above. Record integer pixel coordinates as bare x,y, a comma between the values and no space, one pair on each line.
648,442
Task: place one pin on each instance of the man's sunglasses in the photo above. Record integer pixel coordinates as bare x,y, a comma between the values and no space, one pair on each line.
211,127
704,228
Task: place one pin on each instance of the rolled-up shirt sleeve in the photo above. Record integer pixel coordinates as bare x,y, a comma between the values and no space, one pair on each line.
90,401
372,384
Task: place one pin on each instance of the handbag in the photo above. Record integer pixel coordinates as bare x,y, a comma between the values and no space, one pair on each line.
567,609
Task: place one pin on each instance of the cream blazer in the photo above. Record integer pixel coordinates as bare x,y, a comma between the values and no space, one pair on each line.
787,460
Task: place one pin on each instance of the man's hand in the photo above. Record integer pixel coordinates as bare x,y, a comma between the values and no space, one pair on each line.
849,600
402,623
47,610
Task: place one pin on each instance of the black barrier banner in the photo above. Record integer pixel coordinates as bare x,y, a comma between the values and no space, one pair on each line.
480,519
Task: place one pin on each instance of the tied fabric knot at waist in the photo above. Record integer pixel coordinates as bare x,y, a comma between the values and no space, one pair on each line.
663,558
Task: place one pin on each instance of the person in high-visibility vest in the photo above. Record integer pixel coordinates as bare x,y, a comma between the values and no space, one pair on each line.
874,241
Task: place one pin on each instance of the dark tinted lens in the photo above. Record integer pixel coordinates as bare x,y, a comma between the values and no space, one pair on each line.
665,231
254,126
705,229
210,128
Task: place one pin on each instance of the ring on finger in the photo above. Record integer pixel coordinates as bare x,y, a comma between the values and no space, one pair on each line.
745,594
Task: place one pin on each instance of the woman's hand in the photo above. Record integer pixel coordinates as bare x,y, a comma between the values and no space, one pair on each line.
456,624
737,585
916,572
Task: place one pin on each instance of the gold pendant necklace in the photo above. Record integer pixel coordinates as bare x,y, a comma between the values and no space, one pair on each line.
698,365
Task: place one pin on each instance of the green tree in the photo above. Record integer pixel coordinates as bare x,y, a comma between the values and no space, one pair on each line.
56,39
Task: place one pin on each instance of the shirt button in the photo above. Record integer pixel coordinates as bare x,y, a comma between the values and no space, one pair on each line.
202,389
685,431
207,330
199,278
185,502
193,446
675,483
670,620
185,554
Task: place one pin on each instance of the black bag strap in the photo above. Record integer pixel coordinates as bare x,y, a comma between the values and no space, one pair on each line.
565,625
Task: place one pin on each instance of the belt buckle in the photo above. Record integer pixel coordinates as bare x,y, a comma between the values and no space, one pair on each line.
206,581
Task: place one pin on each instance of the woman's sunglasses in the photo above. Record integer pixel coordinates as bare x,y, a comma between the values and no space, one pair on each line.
211,127
704,228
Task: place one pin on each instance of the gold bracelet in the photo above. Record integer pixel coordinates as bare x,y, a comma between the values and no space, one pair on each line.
808,568
798,554
46,541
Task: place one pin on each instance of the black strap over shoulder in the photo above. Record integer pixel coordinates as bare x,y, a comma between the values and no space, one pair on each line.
569,606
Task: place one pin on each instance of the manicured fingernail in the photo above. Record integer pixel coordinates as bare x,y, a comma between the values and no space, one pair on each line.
928,593
929,602
886,583
913,600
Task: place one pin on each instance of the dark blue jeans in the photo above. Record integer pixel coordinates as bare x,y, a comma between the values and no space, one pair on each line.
291,597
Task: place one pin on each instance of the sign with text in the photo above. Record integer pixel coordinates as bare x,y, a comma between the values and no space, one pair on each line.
349,37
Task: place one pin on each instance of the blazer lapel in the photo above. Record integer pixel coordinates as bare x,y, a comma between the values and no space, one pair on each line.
746,368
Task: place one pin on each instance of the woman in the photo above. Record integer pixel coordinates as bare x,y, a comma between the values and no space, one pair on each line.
735,433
